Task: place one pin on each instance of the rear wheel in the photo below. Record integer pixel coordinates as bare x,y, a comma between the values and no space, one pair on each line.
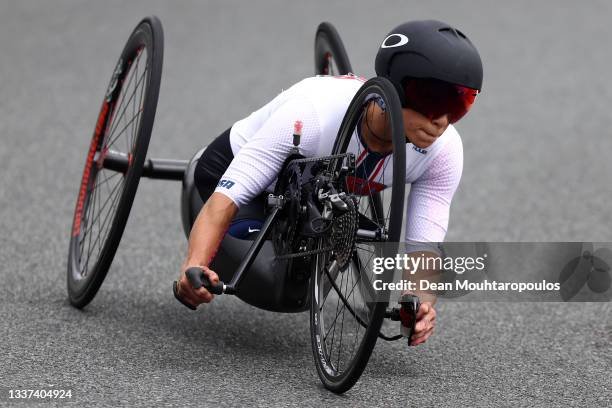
123,130
346,314
330,55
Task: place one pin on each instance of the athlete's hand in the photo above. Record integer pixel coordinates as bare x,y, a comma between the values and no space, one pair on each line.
198,296
426,321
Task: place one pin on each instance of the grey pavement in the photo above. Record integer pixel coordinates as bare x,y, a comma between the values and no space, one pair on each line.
537,167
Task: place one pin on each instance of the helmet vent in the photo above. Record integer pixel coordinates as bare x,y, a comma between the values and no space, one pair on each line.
452,31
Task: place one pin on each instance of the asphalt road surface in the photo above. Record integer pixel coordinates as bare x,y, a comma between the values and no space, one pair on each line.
537,168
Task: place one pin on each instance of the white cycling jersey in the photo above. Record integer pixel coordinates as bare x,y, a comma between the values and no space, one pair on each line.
262,142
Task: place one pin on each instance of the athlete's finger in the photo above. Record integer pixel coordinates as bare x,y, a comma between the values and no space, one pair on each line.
203,295
426,332
415,341
184,291
211,275
424,312
423,325
418,340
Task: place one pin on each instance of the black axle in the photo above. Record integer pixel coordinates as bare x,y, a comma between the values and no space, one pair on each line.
160,169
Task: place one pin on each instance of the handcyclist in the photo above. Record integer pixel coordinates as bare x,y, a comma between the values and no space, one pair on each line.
437,73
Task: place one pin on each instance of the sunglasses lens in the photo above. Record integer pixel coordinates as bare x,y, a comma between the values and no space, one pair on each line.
434,98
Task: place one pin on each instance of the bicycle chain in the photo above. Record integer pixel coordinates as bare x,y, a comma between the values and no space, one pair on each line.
305,253
322,158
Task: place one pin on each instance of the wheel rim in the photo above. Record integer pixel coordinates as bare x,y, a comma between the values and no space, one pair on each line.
330,67
342,313
330,55
347,314
101,189
347,306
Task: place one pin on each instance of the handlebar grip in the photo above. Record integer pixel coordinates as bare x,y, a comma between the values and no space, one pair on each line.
197,279
410,305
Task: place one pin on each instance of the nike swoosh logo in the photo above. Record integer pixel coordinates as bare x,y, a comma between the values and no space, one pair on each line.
253,230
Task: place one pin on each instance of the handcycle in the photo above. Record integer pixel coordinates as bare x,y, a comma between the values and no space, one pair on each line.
314,249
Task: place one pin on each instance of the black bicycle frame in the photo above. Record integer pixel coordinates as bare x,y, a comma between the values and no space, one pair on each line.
169,169
161,169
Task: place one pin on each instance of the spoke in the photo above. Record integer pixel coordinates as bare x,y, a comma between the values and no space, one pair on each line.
106,180
366,263
366,280
112,211
369,202
107,187
85,219
122,95
110,192
108,212
91,199
324,276
364,249
326,296
355,309
116,137
105,203
129,139
140,110
334,322
98,199
106,220
118,104
341,329
336,288
322,295
111,133
89,238
89,251
388,212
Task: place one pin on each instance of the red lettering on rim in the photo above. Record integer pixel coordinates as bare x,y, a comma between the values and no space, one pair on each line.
78,212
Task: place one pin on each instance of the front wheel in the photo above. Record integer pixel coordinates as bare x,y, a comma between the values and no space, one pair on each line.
345,313
121,134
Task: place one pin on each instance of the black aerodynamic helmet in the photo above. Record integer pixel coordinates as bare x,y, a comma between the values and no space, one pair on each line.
433,51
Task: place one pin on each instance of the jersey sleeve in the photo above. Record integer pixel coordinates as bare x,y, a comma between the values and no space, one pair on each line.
428,208
258,162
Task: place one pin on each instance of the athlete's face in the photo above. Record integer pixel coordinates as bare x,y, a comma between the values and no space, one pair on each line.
419,129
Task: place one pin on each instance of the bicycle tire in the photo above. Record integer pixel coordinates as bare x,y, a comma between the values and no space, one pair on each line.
332,378
85,276
329,49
